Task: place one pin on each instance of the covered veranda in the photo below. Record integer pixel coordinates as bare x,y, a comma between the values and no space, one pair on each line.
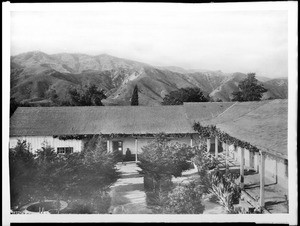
250,138
258,191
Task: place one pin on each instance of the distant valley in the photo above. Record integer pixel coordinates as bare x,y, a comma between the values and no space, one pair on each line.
35,74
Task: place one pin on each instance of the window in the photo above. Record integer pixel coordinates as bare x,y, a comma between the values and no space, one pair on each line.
64,150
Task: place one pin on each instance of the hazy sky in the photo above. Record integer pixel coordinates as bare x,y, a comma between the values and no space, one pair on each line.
245,41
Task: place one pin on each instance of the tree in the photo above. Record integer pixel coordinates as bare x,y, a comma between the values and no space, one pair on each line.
54,176
135,96
249,89
89,95
99,169
22,171
191,94
162,159
83,178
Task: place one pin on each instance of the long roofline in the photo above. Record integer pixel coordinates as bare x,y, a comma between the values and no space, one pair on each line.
49,121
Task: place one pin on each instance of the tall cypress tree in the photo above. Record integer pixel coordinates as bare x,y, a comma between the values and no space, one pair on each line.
135,97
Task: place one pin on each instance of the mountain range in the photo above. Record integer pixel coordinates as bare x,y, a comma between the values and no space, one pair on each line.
34,75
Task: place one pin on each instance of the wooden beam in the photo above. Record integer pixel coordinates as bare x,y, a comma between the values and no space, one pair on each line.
262,180
216,147
242,168
136,149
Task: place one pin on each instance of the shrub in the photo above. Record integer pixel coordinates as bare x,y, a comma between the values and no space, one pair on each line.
54,174
98,168
223,187
22,171
101,202
156,200
164,159
85,176
185,199
204,162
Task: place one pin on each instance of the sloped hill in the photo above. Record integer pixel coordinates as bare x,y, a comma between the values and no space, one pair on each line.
277,88
35,74
229,85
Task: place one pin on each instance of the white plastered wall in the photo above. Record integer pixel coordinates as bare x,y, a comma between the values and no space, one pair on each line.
37,142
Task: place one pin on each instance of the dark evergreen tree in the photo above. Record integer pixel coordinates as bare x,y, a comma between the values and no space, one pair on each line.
177,97
22,172
249,90
89,95
135,96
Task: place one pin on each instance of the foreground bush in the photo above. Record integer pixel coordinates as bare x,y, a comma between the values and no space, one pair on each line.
185,199
98,204
205,162
78,176
225,190
22,171
220,185
162,159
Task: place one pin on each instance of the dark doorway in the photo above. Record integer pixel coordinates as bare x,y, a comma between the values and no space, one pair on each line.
118,147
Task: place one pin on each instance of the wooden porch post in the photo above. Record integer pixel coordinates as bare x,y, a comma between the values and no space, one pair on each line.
242,168
208,144
191,140
226,155
136,149
262,179
216,147
108,145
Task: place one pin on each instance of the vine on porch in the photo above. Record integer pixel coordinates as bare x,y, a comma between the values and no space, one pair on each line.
213,131
119,135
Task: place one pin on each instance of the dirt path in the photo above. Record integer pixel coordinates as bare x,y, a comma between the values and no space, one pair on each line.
128,195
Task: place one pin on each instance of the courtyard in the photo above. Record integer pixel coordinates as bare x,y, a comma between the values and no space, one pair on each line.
128,195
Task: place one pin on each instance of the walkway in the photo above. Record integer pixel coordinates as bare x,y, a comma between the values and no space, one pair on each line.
128,195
